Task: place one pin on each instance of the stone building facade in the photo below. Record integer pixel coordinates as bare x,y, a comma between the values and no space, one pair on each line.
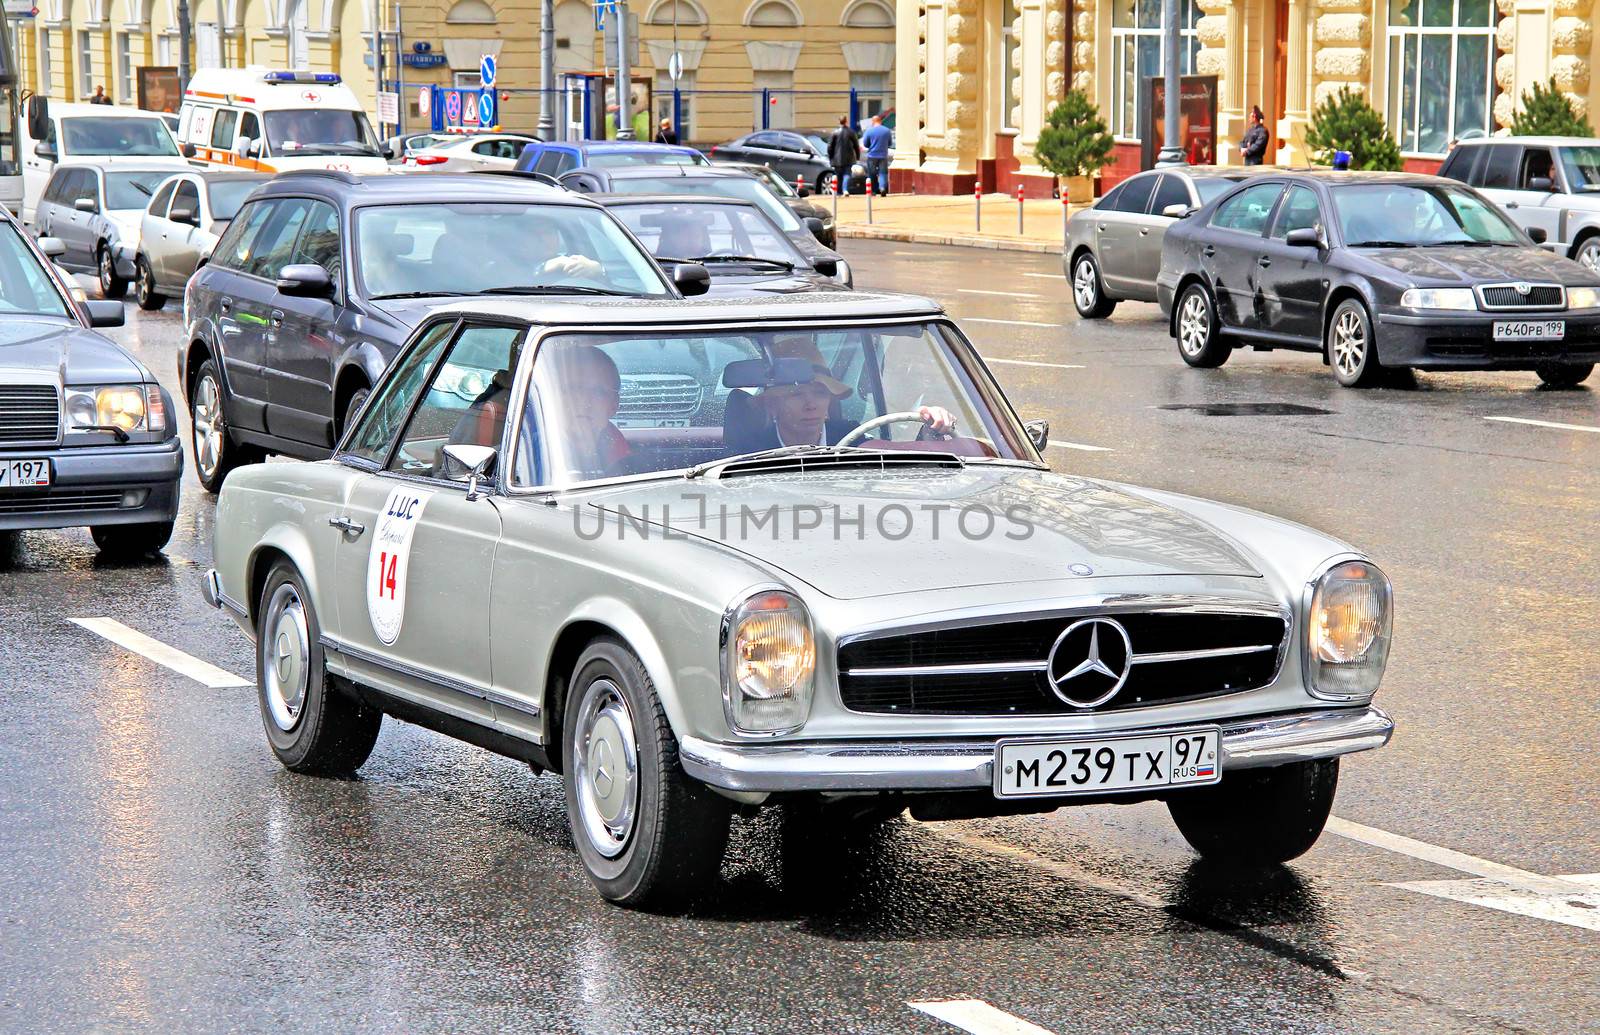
982,74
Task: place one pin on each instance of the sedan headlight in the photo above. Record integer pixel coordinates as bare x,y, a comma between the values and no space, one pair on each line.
1439,298
769,661
1348,624
125,407
1583,297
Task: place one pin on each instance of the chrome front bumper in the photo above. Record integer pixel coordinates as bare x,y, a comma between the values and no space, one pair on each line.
907,765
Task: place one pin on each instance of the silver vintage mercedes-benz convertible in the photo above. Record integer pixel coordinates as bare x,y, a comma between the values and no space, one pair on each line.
706,556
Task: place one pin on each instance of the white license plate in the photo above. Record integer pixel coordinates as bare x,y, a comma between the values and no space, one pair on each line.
24,474
1530,330
1101,765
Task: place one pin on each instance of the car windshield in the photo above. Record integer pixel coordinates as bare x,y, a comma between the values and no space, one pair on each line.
228,195
480,247
133,189
1414,215
116,135
25,285
605,405
740,188
1213,187
816,141
321,131
718,235
1582,166
643,156
774,181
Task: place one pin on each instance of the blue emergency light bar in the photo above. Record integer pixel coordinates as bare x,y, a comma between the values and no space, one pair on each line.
327,78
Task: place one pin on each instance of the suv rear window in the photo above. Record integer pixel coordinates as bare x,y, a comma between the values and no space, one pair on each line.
1500,168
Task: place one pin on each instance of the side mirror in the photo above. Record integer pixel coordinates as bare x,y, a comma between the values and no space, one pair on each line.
39,119
827,267
1543,183
464,462
305,279
54,247
691,278
185,215
1038,433
86,205
43,150
1538,234
804,192
815,226
187,150
388,151
1304,237
1177,211
104,312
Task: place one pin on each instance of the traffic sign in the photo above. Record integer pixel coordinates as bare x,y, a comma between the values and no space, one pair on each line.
388,107
424,100
452,106
675,66
486,107
486,70
602,9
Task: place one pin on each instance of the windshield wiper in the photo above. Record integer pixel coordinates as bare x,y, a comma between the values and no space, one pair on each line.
409,294
116,432
751,260
335,149
549,289
1383,244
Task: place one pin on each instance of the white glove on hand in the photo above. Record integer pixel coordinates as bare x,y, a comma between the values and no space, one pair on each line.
572,266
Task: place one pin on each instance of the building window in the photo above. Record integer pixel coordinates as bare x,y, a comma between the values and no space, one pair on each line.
1136,42
1441,72
124,68
774,14
470,12
872,92
467,80
164,51
775,90
663,99
44,62
85,63
675,12
1008,50
868,14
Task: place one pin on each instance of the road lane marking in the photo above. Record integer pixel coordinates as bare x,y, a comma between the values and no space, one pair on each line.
1547,424
1046,276
1575,909
1451,859
978,1017
1057,443
161,654
1009,323
1034,363
998,294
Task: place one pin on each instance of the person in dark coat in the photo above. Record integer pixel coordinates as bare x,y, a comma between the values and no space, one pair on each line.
1253,145
664,134
844,150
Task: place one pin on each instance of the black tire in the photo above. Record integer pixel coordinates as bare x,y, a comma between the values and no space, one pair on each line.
358,399
132,540
1088,290
111,285
312,726
215,452
1199,332
1258,817
661,845
823,179
1564,375
145,286
1352,346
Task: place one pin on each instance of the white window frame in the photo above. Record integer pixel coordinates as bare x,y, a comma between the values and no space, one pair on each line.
45,71
125,87
1125,49
85,64
1394,102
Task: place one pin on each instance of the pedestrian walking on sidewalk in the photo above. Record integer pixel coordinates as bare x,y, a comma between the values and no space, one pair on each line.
664,134
876,140
844,150
1253,145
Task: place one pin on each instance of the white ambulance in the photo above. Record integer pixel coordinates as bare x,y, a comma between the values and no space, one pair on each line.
273,121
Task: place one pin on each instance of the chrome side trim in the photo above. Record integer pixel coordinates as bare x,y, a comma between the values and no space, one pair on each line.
1199,655
227,603
444,682
981,668
903,765
211,588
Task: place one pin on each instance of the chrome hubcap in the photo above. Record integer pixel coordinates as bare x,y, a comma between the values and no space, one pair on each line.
1589,255
207,426
286,657
1083,287
1349,343
1193,324
607,768
105,269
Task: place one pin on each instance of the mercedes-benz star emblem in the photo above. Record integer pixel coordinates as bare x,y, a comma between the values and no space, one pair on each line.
1090,661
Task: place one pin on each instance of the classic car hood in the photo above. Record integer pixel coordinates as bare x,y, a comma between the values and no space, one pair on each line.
1043,522
1479,265
74,354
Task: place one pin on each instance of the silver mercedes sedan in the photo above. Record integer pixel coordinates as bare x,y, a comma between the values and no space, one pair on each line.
714,555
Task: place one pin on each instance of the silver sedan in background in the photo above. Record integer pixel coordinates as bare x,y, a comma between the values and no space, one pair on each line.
1114,247
181,224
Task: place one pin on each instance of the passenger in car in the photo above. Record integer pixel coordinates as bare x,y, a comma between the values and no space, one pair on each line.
577,395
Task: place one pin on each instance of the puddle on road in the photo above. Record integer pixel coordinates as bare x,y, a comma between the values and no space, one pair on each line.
1248,409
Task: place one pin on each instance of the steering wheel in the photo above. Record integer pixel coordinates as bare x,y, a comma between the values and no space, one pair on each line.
862,430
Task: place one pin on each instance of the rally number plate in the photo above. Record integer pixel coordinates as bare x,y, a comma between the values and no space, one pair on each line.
1106,765
1530,330
24,474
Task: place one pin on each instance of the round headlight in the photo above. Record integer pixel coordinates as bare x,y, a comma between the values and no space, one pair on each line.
1348,626
769,663
80,409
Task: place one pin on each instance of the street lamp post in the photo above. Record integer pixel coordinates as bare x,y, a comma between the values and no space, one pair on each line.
185,40
624,79
1172,32
547,68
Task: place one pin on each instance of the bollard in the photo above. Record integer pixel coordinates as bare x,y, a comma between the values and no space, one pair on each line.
869,199
1066,219
1019,210
835,199
977,206
799,183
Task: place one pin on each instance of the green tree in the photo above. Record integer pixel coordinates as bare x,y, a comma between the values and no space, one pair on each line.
1346,122
1547,112
1075,140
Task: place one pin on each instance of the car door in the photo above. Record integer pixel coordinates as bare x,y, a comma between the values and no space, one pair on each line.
153,230
306,339
1498,180
415,554
1538,202
255,303
1291,279
48,210
1116,228
75,227
1230,250
182,238
1149,231
765,148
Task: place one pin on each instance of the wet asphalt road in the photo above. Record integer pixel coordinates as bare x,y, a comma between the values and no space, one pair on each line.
163,872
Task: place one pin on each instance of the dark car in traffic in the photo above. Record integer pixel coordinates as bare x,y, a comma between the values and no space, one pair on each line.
322,275
552,158
87,436
798,198
1375,271
791,153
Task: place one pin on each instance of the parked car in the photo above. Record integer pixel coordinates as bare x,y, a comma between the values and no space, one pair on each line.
486,578
99,133
322,275
1376,270
467,153
712,182
745,252
96,209
1544,183
796,198
87,436
180,227
791,153
396,148
552,158
1113,249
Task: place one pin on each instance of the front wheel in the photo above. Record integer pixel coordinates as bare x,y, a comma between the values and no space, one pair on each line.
111,285
1588,253
1258,817
1352,351
126,541
145,285
1088,292
648,835
1564,375
215,452
1200,340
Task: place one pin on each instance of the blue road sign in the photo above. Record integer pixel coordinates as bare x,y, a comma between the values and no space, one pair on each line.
452,106
486,70
601,9
486,108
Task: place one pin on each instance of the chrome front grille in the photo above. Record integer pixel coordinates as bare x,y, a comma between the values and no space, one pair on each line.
29,415
658,396
1515,297
1001,668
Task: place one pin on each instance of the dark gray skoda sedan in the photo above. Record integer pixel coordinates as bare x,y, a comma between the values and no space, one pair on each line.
87,436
